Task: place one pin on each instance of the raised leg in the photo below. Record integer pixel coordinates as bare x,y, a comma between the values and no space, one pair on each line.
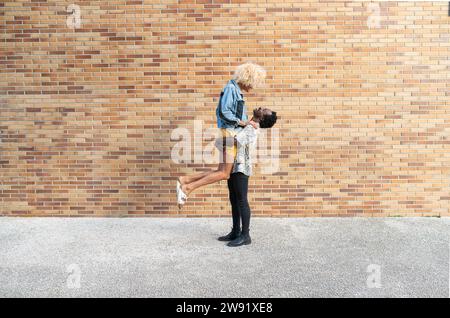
190,183
192,178
222,173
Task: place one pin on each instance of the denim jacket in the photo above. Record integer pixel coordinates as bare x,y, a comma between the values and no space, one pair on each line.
231,107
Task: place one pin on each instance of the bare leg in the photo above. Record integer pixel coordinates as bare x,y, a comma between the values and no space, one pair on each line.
222,173
192,178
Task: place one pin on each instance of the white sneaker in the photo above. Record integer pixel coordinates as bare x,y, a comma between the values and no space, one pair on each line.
181,196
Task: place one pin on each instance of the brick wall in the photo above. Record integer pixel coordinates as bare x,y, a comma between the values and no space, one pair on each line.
87,113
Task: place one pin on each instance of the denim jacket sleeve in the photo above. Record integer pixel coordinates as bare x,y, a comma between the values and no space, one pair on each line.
227,106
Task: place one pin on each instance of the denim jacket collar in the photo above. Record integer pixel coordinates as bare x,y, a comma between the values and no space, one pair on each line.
240,95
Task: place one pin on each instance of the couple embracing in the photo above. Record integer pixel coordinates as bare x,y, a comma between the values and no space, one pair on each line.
238,136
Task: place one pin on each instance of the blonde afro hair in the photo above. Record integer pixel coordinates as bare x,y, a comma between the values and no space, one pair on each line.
250,74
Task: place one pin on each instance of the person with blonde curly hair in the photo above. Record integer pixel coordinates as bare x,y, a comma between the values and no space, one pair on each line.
231,114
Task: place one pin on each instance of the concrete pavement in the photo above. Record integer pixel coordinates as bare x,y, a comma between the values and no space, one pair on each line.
180,257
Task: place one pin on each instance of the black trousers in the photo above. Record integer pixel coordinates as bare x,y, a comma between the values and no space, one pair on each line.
238,188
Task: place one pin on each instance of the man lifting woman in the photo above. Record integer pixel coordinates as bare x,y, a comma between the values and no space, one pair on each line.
237,131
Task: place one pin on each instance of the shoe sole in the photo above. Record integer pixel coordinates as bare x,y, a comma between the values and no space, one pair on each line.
178,193
226,240
247,243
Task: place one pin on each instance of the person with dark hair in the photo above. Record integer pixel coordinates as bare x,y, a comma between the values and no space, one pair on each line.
269,120
238,181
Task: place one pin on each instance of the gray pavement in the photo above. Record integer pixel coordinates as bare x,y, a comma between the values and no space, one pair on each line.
180,257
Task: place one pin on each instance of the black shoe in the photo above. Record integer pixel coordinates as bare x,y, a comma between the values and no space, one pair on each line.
235,233
243,239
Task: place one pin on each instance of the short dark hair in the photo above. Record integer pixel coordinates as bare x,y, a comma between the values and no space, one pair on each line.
268,120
